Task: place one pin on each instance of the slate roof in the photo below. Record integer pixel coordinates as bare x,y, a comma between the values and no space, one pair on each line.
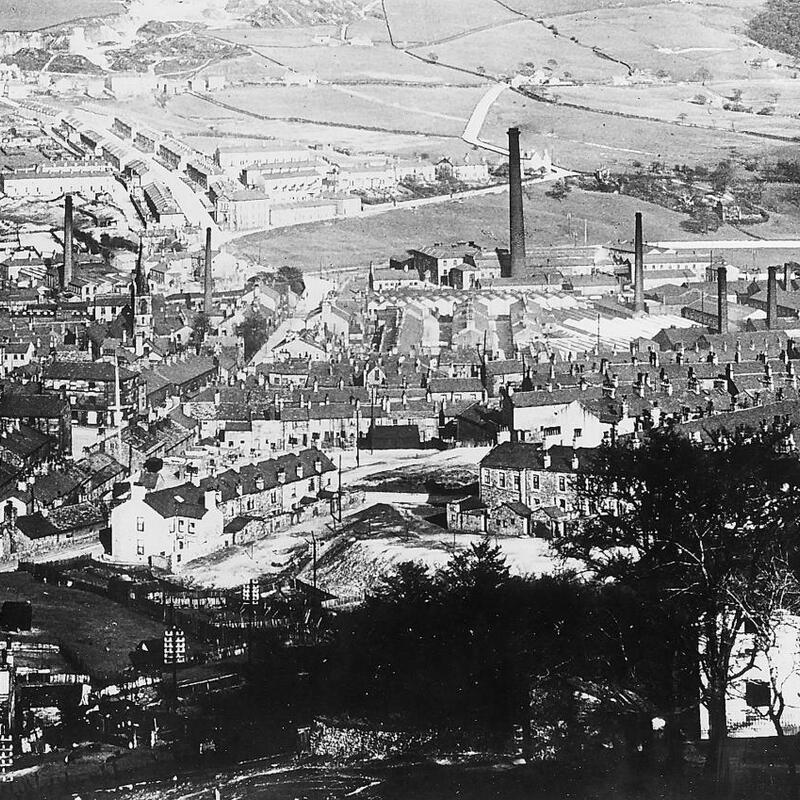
439,385
86,371
526,455
61,520
22,406
186,500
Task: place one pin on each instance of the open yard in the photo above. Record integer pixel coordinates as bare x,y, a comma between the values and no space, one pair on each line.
100,632
356,242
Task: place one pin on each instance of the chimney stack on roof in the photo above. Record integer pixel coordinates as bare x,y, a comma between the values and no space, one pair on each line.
516,217
638,266
722,300
208,280
772,298
66,275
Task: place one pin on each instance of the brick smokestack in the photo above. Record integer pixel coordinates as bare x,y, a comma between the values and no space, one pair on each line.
722,300
638,266
66,275
772,298
208,281
516,218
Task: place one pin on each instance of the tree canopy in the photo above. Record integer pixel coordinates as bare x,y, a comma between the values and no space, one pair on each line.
697,528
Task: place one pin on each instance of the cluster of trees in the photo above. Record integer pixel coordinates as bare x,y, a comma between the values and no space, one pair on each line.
469,648
777,26
686,544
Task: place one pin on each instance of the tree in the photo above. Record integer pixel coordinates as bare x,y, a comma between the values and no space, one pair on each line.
724,175
201,325
682,117
772,620
703,74
702,220
559,190
695,526
253,329
293,277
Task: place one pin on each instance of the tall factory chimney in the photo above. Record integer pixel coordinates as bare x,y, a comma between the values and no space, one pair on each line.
722,300
516,218
208,281
638,267
772,297
66,275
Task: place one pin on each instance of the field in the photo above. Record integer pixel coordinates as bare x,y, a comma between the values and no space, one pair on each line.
31,15
678,38
587,140
524,42
393,108
483,219
674,102
417,21
100,632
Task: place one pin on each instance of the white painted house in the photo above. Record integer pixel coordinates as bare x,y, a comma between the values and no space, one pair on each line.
166,528
775,668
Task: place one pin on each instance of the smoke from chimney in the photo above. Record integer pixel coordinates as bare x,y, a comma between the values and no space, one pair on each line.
66,275
516,217
722,299
208,280
772,297
638,267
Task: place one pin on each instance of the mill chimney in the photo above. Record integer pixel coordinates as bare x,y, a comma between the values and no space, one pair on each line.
516,218
208,279
772,298
638,267
722,300
66,275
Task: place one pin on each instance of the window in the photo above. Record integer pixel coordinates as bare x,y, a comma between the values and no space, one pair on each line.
555,430
191,526
139,547
562,484
757,694
577,433
140,524
502,480
534,481
516,481
181,524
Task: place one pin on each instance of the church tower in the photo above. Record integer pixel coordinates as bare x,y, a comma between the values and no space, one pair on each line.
141,305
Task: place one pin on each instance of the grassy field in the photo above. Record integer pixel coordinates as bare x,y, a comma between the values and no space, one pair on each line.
525,42
677,37
439,112
673,102
99,631
482,219
422,21
380,62
586,140
31,15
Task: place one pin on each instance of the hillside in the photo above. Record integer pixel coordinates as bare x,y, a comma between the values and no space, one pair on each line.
280,13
